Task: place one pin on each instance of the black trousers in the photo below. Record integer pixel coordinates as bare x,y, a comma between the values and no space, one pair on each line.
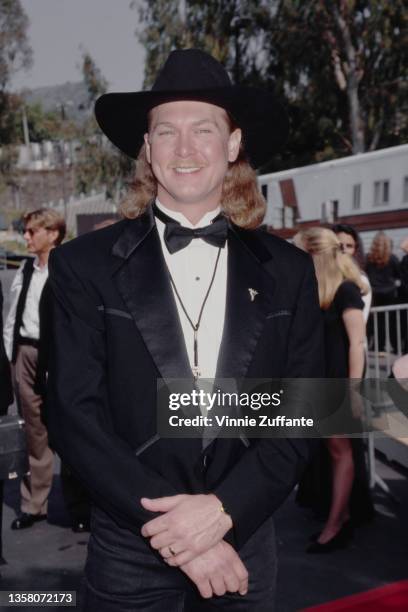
122,574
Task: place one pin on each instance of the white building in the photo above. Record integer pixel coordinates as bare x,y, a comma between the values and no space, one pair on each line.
46,155
84,212
368,191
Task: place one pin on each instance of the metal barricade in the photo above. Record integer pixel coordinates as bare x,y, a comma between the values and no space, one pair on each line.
394,338
395,326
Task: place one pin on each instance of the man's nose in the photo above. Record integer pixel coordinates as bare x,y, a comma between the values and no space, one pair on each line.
184,144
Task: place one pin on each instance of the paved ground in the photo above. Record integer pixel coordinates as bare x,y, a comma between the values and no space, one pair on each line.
378,554
51,556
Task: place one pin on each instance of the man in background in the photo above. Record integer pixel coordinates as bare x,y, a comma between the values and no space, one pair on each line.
43,230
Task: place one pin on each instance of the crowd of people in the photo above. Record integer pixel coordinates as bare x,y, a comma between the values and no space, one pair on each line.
70,344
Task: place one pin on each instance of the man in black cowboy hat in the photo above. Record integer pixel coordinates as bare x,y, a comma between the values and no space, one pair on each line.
182,288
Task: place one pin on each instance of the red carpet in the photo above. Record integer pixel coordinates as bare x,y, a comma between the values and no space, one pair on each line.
384,599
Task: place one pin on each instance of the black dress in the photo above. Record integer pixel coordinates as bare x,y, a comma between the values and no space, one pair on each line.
336,343
315,487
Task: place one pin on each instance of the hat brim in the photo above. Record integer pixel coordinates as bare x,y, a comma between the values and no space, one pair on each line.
263,120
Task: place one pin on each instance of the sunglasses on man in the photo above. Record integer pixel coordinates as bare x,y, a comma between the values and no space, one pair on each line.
34,230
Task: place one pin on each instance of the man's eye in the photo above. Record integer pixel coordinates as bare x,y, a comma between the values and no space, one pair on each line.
165,132
204,131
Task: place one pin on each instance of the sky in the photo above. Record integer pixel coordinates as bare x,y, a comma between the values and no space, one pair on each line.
104,28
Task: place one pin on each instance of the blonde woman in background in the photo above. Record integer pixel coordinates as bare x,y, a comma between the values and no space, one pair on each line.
351,244
340,294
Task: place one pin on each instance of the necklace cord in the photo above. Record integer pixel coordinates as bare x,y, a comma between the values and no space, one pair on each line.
196,326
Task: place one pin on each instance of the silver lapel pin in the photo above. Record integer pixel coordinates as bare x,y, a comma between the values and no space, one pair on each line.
253,293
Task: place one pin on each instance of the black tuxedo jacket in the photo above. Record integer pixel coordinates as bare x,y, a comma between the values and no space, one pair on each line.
6,391
116,330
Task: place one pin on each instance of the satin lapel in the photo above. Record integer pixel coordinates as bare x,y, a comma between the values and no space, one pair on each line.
249,291
144,285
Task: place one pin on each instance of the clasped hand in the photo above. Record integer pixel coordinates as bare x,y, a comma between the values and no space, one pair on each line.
217,571
189,534
189,526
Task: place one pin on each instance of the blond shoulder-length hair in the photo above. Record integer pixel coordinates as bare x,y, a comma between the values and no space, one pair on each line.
331,265
381,249
241,199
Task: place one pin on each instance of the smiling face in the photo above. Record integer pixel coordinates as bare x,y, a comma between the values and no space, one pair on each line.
189,146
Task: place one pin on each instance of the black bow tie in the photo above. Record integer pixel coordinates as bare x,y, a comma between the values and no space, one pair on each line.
178,237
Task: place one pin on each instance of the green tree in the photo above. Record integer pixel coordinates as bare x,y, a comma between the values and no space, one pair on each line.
99,165
9,129
15,52
344,66
95,82
341,64
46,125
231,30
8,160
10,118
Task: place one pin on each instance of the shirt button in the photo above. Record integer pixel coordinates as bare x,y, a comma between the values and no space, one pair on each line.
197,278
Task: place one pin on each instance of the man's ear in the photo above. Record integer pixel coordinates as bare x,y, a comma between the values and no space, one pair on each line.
54,235
234,143
147,145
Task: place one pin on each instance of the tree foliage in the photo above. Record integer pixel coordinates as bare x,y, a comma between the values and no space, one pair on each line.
15,52
10,109
47,125
231,30
99,164
341,64
344,66
8,160
95,82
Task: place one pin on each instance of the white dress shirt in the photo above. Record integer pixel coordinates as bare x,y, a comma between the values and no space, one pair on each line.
191,269
30,327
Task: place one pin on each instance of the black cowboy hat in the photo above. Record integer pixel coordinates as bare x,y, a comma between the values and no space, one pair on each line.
192,74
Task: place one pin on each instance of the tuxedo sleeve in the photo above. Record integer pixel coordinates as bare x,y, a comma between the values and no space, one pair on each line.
78,411
265,475
8,331
6,393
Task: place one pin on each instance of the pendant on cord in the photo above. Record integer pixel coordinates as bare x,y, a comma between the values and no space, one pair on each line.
195,369
196,326
196,372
